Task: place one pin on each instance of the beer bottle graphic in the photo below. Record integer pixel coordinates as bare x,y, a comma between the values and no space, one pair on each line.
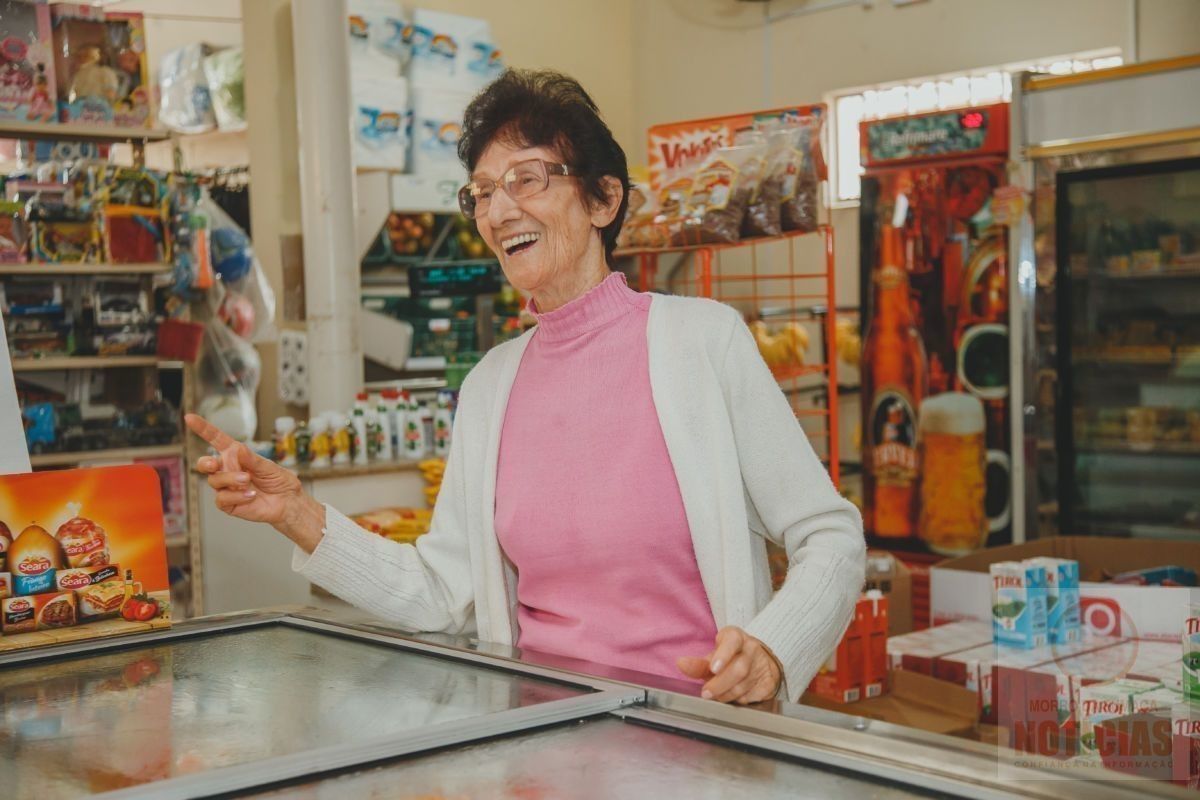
894,383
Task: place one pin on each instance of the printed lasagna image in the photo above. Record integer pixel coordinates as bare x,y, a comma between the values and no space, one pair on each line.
88,558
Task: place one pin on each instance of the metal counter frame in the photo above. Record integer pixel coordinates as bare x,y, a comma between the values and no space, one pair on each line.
870,749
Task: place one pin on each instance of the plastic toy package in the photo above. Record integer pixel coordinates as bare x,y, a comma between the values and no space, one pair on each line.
13,233
226,75
27,88
100,65
185,104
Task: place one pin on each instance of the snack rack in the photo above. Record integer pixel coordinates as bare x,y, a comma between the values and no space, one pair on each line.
772,279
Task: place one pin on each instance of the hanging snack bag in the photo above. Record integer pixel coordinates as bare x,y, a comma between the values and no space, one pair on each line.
718,197
226,74
763,215
803,171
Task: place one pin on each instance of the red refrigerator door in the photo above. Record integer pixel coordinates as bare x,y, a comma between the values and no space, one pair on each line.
955,497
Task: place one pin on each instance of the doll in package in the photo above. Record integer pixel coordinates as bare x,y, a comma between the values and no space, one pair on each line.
100,62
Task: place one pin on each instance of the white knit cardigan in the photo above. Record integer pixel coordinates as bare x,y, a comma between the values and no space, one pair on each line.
745,469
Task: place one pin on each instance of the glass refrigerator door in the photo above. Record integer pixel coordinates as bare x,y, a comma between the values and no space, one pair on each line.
1129,350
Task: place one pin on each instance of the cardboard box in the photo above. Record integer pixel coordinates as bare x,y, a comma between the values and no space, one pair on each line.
917,651
6,587
915,701
960,586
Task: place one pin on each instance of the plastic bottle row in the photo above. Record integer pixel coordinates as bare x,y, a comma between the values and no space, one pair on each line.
391,426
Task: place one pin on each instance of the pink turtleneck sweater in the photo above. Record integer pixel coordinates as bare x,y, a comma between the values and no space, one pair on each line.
588,508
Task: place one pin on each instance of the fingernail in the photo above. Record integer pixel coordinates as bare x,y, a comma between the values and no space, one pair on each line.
249,494
243,478
716,666
706,694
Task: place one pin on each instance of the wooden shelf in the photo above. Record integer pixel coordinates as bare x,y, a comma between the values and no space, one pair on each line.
90,362
80,133
66,459
178,541
39,268
358,470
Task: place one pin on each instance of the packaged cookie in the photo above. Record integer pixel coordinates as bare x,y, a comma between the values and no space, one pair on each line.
717,200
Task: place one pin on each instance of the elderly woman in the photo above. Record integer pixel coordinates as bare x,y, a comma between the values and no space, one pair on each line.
615,473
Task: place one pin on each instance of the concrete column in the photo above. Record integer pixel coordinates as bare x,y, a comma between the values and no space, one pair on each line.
331,269
272,143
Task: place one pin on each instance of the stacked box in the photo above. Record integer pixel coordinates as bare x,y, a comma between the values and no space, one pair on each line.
857,668
1018,603
917,651
1062,599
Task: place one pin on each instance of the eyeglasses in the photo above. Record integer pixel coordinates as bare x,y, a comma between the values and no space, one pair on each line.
522,180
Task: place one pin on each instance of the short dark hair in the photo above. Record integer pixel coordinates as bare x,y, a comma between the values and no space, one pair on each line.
544,108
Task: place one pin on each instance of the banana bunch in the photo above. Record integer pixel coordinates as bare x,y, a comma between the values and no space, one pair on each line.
783,349
432,469
849,342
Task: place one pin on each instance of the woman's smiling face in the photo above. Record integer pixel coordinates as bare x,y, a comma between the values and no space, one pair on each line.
542,241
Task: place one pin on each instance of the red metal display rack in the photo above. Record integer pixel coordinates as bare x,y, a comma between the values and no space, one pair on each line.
777,285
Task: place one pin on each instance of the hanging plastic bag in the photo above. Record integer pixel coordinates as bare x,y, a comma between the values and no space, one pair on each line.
245,290
228,379
763,216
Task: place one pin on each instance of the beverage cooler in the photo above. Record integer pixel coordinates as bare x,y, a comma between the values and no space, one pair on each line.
934,282
1128,349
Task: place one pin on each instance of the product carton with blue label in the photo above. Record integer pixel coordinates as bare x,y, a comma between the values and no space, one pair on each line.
1062,599
1018,604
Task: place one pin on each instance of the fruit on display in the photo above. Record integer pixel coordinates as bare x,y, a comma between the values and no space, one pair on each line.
469,241
785,348
410,234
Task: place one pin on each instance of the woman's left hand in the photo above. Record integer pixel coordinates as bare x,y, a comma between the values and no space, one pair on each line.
741,669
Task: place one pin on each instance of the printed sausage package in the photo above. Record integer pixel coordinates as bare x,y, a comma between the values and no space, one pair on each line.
90,558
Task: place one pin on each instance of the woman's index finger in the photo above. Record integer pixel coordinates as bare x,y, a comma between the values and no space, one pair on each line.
219,439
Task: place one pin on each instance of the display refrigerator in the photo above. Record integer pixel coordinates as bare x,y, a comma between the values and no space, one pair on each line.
306,703
934,294
1106,323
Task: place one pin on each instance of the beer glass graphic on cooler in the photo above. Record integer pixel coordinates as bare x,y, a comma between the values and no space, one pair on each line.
950,440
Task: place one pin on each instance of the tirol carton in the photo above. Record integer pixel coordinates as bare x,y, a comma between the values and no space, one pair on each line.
1185,744
875,665
1103,701
1062,599
1191,654
1018,604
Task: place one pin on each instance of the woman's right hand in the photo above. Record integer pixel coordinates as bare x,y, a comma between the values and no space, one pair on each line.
248,486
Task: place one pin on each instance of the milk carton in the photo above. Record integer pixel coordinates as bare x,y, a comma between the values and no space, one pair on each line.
1062,599
1191,654
1102,701
1018,603
1185,741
